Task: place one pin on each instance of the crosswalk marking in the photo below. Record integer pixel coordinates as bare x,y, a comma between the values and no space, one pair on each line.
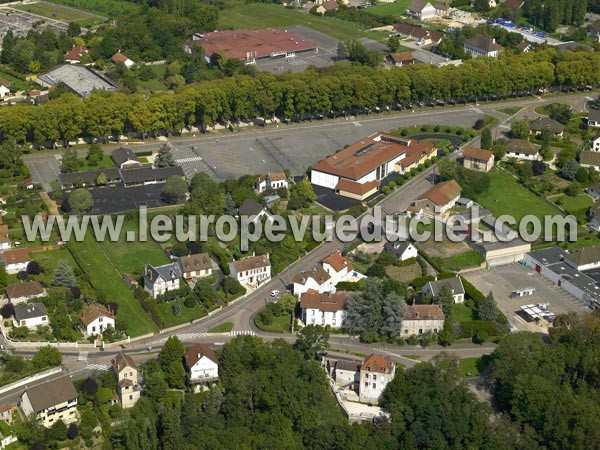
357,124
242,333
181,336
100,367
187,160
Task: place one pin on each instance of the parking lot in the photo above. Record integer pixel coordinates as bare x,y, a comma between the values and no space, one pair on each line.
503,280
20,22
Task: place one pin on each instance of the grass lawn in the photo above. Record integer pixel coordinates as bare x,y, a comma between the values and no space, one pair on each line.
56,12
109,8
469,367
225,327
187,314
454,263
105,163
507,196
158,70
584,241
390,9
49,260
261,15
152,85
284,322
132,256
461,313
510,111
574,204
105,278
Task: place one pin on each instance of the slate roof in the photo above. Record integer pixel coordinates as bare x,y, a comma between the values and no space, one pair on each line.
417,5
51,393
594,114
250,208
121,155
483,43
547,123
29,311
423,312
166,272
521,146
121,361
454,284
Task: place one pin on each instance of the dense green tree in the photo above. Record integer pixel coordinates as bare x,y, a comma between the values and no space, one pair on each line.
46,357
486,138
171,362
80,201
311,340
519,128
164,158
70,161
63,275
174,190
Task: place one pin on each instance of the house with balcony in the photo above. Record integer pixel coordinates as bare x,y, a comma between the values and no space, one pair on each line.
51,401
202,366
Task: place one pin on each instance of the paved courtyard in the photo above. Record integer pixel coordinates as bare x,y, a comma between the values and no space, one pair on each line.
503,280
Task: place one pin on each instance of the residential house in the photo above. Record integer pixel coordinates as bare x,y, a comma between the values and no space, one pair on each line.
126,372
75,55
324,308
522,149
454,285
6,413
253,210
420,34
272,180
344,372
524,47
594,118
201,364
125,158
403,250
51,401
317,279
595,143
121,58
161,279
586,258
4,91
96,318
22,292
546,123
417,155
376,372
30,315
357,170
400,59
252,270
329,5
594,190
475,158
480,45
421,319
4,239
442,9
16,260
198,265
438,200
595,30
337,266
590,159
421,10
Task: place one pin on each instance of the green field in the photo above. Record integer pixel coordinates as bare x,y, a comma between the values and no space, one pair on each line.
461,313
105,278
261,15
469,367
510,111
390,9
49,260
225,327
187,314
132,256
109,8
574,204
507,196
105,163
54,11
455,263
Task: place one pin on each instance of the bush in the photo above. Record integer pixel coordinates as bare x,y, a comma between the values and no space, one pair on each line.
190,301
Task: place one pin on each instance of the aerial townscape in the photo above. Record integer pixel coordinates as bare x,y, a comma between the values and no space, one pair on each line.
174,176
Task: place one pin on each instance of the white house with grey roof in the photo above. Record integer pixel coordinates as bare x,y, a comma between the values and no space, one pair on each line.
161,279
454,284
403,250
480,45
30,315
51,401
125,158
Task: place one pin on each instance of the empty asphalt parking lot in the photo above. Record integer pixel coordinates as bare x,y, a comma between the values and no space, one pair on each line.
504,280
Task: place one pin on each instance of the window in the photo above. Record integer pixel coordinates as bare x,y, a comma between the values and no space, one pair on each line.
420,330
366,384
374,377
374,385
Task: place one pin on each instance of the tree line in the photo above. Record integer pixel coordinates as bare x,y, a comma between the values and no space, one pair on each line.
342,88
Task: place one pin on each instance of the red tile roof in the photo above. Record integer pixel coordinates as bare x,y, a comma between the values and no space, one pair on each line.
94,311
119,57
16,256
355,187
402,57
324,301
423,312
26,289
195,354
477,153
337,261
76,53
378,363
441,194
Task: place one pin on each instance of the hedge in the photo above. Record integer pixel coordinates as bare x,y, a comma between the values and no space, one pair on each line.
472,292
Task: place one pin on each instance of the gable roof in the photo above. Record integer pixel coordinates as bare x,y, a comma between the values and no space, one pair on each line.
119,57
121,361
250,208
397,247
27,289
251,262
401,57
273,176
325,301
166,272
76,53
594,114
453,283
521,146
195,354
442,193
51,393
477,153
547,123
417,5
150,174
16,256
330,5
589,158
29,311
483,43
378,363
523,46
317,273
414,31
121,155
337,261
197,261
423,312
95,311
585,255
355,187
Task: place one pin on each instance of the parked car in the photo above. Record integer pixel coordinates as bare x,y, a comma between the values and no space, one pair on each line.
274,293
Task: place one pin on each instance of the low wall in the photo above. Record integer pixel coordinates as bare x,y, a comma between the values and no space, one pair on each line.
36,377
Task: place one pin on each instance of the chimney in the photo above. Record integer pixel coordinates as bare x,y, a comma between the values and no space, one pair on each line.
493,40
